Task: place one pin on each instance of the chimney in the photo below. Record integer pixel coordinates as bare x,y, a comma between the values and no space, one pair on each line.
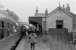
46,12
67,9
36,11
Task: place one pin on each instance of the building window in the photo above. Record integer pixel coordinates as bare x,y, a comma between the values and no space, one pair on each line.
59,24
2,30
2,24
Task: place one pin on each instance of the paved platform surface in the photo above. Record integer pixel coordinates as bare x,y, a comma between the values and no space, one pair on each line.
45,43
8,42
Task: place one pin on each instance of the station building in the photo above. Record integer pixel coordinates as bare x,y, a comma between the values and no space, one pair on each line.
60,20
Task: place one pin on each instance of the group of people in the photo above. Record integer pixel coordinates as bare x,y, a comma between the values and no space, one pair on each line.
31,33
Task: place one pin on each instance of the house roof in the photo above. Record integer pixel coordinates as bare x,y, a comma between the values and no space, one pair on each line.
55,11
61,9
71,14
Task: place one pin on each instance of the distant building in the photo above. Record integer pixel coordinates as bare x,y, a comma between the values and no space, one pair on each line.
61,17
8,23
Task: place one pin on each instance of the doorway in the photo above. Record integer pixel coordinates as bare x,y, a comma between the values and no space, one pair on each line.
59,24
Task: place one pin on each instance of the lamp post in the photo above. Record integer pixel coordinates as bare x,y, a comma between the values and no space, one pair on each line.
46,13
45,24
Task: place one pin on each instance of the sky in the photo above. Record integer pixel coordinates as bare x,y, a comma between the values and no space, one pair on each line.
26,8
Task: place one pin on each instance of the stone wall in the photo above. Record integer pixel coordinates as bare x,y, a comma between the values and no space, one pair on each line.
61,34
